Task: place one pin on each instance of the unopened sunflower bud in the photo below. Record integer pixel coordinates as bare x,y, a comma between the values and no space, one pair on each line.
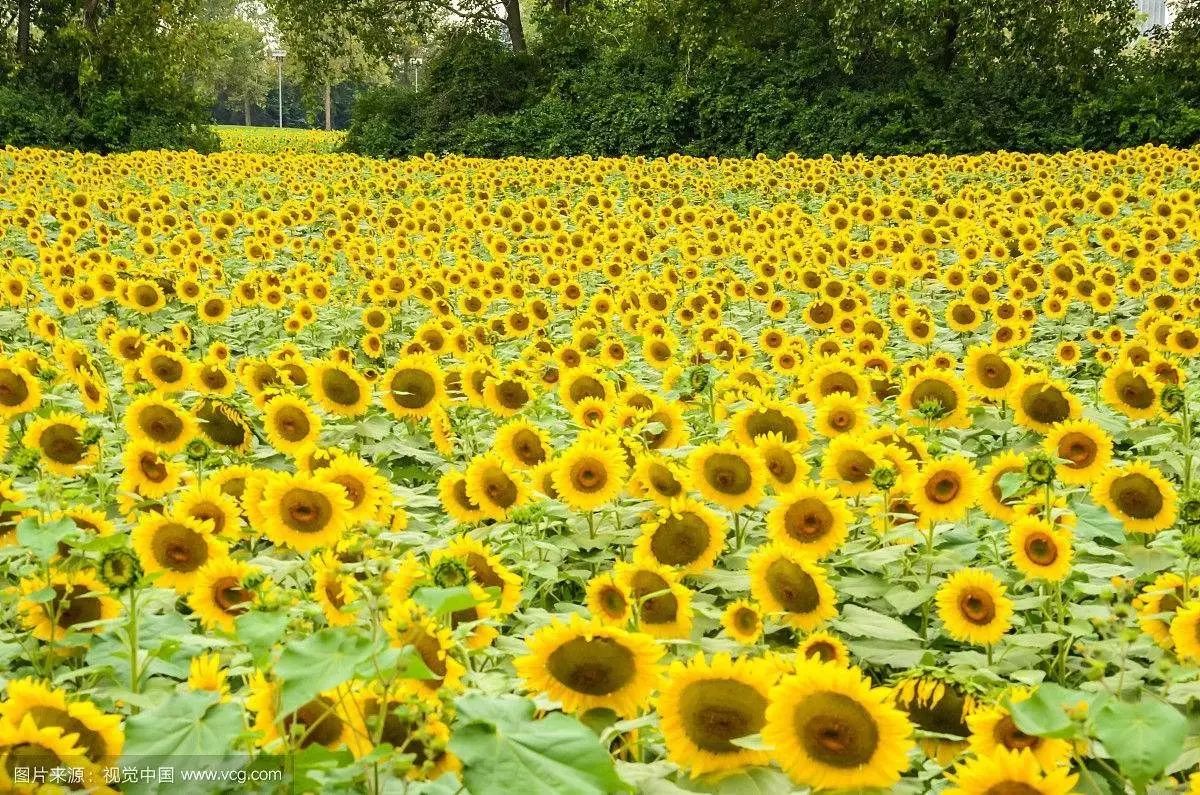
1172,399
25,460
932,409
883,477
698,378
197,450
451,574
1189,511
1040,469
120,569
1191,545
91,434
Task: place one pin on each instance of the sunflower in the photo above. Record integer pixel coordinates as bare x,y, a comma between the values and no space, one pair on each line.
783,581
410,724
823,646
323,720
362,484
167,371
205,673
809,519
585,665
830,729
495,486
58,439
973,605
223,425
176,548
608,601
159,423
742,621
662,606
1158,603
212,506
945,489
334,590
658,478
522,444
486,570
830,377
848,463
783,461
19,390
99,735
413,388
1138,495
304,512
1133,391
1082,448
936,398
993,729
589,475
28,746
1009,771
339,388
77,598
1040,551
220,593
937,705
989,372
290,424
145,472
584,382
452,491
1039,402
991,492
839,413
408,625
704,706
767,416
728,474
685,534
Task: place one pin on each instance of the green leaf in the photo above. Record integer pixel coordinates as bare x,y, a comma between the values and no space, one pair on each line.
860,622
190,723
391,661
1142,738
1044,714
317,663
43,539
503,749
41,595
749,781
260,632
444,601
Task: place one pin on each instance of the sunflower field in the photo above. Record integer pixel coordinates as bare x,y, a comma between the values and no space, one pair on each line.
329,474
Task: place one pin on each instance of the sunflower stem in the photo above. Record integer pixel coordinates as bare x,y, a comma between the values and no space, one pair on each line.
989,655
591,519
738,537
132,632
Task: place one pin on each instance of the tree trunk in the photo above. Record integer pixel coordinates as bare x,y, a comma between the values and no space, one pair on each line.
512,21
246,110
23,25
328,106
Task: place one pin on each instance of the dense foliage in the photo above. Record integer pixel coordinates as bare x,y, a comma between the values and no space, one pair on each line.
595,475
813,77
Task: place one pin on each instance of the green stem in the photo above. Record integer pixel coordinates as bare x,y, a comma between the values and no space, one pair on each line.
132,631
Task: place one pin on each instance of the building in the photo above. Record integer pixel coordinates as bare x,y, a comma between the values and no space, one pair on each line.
1154,13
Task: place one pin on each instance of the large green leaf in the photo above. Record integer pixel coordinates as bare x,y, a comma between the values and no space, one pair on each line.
319,662
1142,737
860,622
188,724
43,539
503,749
1044,714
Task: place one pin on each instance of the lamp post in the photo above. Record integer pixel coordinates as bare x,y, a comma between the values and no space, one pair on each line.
416,70
278,53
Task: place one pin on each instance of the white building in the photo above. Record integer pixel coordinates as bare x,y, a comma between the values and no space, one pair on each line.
1154,12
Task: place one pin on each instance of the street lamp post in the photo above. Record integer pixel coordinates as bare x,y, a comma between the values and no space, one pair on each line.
416,70
278,54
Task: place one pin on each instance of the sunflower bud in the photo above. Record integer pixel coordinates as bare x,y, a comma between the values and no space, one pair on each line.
197,450
91,434
1189,511
1172,399
1191,545
25,460
451,573
932,409
883,477
1040,469
120,569
698,378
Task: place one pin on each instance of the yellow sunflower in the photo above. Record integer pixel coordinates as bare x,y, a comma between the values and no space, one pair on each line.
28,745
830,729
1137,494
99,735
79,598
939,706
1133,391
588,475
989,372
742,621
991,492
783,581
945,489
608,601
176,548
495,486
993,729
339,388
662,606
160,423
413,388
1039,402
1185,631
19,390
1009,771
334,590
522,443
704,706
1040,551
822,646
147,473
974,607
848,463
209,504
784,461
658,478
685,534
58,439
323,720
935,397
810,520
588,665
303,512
408,625
452,491
290,424
220,593
364,487
485,568
728,474
1082,448
1158,602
